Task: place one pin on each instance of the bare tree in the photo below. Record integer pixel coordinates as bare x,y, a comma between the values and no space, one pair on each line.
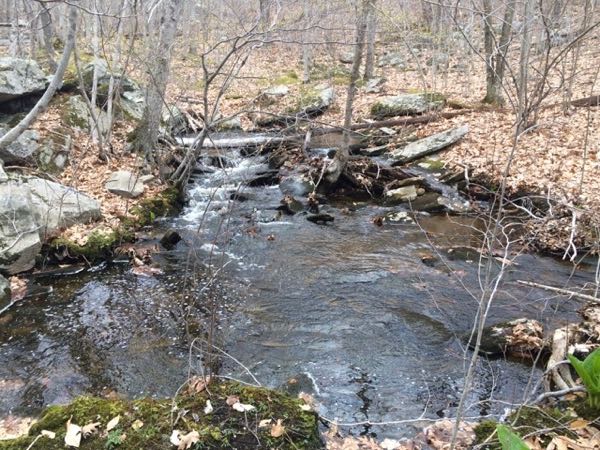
337,166
496,50
157,78
371,36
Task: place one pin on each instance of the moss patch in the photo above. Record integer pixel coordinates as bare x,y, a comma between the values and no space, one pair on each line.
223,428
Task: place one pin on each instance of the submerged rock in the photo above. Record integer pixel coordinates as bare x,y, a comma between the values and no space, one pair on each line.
407,105
290,205
523,338
430,144
20,77
170,239
320,219
125,184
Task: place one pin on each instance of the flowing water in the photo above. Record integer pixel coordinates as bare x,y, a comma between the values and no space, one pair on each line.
350,310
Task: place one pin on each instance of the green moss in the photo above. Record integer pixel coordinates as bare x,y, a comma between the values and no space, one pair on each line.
289,77
528,419
223,428
483,431
308,97
583,409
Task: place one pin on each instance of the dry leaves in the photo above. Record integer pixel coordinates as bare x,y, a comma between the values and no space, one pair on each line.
242,407
208,408
113,423
73,436
277,430
184,441
197,384
90,429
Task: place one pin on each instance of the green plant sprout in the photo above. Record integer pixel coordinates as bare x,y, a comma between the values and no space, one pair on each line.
509,440
589,371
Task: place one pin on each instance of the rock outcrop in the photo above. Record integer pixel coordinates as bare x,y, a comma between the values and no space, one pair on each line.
31,209
20,77
406,105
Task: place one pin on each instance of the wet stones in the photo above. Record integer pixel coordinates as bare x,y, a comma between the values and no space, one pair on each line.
320,219
291,206
170,239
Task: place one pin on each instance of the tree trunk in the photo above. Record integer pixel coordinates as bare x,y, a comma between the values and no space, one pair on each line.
306,48
337,166
495,55
43,102
158,75
371,36
48,32
523,105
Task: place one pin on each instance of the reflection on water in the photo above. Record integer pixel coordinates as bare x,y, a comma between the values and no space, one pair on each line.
350,305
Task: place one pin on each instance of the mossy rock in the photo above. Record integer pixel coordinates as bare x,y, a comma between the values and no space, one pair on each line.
100,244
407,104
224,428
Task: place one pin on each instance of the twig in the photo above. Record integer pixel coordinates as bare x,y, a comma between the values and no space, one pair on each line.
591,298
540,398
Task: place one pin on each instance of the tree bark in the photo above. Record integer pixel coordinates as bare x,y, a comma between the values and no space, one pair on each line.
43,102
371,36
337,166
158,76
48,32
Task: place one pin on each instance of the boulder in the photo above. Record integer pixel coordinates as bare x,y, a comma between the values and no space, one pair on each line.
272,95
314,103
54,151
77,115
4,292
346,58
394,59
3,176
55,206
401,194
20,77
406,105
289,205
125,184
435,202
173,121
19,232
104,73
23,148
522,338
429,145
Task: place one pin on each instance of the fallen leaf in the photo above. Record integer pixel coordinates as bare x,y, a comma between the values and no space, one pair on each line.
232,400
73,436
175,437
113,423
306,407
241,407
264,423
390,444
137,424
578,424
197,384
48,434
208,408
186,441
277,430
90,428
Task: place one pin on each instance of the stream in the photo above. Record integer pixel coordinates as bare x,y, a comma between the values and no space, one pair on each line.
358,315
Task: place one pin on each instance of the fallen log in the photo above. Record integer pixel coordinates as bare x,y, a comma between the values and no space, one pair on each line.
593,100
561,291
428,146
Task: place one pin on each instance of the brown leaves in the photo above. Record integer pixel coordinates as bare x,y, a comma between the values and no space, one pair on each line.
197,384
277,430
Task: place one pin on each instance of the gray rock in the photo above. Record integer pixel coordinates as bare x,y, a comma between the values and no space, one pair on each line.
401,194
233,124
133,104
4,292
346,58
24,147
77,115
20,77
125,184
277,91
435,202
55,206
19,237
406,105
392,60
3,176
296,185
431,144
54,151
104,74
374,85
